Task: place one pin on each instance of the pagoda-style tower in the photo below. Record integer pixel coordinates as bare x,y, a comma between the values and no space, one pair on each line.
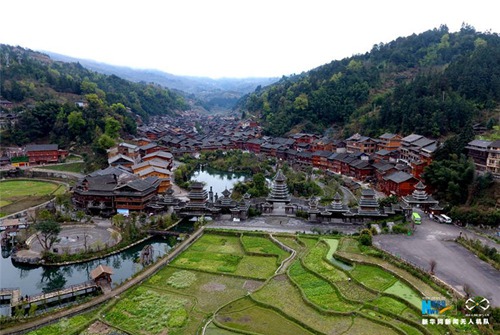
421,199
337,206
279,191
198,196
368,204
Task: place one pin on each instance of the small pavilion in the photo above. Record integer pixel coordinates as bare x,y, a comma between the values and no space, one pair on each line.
101,274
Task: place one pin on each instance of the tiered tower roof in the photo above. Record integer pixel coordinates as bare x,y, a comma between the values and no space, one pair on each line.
198,196
279,191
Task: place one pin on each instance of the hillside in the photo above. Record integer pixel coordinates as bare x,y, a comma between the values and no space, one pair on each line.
211,94
28,77
67,104
433,83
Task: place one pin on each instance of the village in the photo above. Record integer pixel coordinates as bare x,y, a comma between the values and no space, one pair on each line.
390,164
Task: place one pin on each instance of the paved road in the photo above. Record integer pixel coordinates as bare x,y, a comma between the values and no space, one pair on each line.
283,224
455,264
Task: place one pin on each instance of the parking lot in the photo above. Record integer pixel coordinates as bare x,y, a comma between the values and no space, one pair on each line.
455,265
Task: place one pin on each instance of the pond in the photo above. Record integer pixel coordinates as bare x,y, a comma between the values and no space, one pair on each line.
34,280
219,180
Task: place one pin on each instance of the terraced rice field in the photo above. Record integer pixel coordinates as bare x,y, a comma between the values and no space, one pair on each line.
225,284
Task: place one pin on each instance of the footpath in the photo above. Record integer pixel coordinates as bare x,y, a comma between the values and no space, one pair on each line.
142,276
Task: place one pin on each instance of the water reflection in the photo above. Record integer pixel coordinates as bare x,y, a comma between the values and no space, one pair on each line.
219,180
34,280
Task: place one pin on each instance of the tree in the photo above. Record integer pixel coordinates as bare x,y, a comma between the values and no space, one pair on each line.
366,237
105,142
80,215
48,233
76,123
112,127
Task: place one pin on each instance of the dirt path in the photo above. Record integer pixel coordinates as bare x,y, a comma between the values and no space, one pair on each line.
21,328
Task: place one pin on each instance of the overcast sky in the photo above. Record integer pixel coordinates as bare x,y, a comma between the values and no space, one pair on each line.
228,38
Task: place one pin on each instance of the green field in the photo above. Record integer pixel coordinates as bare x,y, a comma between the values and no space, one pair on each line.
226,283
76,167
17,195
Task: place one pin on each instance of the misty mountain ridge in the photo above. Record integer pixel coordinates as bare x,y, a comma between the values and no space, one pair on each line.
212,94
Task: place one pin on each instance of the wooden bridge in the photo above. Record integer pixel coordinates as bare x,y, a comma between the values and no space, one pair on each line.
14,298
163,232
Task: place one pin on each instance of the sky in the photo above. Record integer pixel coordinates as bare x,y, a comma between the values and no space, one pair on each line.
228,38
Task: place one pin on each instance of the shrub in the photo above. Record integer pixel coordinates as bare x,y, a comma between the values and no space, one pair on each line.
366,237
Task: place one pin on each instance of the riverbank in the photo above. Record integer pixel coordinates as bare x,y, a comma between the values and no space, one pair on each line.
142,276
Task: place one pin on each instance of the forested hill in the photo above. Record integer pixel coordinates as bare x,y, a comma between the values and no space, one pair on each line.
28,76
44,94
433,84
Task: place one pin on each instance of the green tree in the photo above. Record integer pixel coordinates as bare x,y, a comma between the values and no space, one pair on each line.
48,233
76,123
112,127
105,142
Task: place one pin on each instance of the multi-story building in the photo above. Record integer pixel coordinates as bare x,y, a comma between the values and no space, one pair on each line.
389,142
493,162
358,143
105,191
478,151
44,153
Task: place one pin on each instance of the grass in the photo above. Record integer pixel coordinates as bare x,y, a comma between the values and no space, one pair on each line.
404,291
349,245
317,290
65,325
333,243
21,188
18,195
315,262
180,298
210,290
245,315
76,167
421,286
263,245
373,277
181,279
354,291
212,329
363,326
225,255
282,294
147,311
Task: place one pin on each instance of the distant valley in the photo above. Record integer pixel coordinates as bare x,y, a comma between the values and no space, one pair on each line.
213,95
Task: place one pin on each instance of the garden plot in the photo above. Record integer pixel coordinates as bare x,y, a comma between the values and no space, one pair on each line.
263,245
318,290
246,315
282,294
147,311
210,290
225,255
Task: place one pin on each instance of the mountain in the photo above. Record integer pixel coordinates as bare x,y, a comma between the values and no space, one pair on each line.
67,104
28,76
212,94
433,83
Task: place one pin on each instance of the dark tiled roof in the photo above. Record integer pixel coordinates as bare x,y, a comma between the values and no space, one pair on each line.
41,147
399,177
